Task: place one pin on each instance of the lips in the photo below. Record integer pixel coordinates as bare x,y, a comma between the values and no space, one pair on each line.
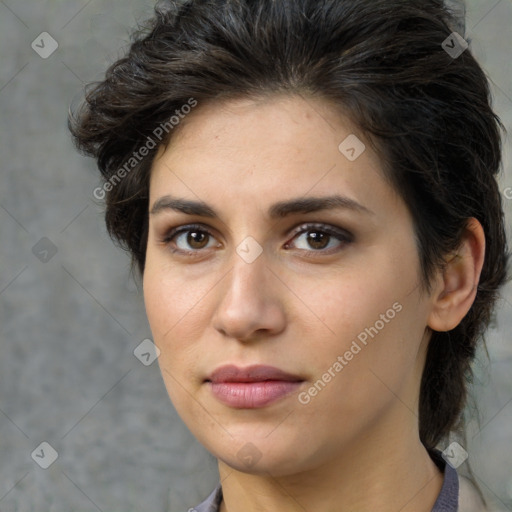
251,387
256,373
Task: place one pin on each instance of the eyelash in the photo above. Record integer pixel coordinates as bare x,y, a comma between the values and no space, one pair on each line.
341,235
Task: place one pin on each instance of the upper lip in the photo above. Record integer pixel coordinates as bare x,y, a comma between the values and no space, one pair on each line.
254,373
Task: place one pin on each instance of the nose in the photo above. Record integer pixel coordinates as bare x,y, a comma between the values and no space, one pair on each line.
250,304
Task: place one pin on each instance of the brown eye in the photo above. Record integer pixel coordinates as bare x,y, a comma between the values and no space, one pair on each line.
318,240
321,238
189,239
196,239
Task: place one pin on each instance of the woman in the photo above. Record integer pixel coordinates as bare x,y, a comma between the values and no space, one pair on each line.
308,189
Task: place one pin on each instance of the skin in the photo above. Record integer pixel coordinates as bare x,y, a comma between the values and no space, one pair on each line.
355,445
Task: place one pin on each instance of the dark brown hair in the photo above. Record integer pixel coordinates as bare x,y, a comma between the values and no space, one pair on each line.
426,112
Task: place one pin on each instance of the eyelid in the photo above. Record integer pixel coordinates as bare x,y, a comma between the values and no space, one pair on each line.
171,233
343,236
326,228
178,230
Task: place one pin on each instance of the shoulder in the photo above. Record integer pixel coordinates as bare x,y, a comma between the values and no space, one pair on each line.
458,494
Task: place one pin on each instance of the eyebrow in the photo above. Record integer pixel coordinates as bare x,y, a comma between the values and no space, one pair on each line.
277,210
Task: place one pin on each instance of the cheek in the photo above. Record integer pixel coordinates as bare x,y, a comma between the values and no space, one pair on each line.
176,308
355,299
171,298
371,318
168,310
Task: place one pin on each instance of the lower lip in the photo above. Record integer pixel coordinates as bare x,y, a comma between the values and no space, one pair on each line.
251,395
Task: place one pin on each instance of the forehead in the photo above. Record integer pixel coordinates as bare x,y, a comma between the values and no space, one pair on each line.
260,151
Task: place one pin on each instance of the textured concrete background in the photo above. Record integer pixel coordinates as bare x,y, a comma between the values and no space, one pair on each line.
69,325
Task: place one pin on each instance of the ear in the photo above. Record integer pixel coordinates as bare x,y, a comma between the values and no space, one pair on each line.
457,283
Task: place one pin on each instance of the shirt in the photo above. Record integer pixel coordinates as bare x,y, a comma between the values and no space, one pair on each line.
456,495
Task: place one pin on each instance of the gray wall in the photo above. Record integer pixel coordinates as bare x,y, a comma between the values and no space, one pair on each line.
70,321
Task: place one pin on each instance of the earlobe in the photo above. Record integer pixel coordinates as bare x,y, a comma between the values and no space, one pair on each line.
458,280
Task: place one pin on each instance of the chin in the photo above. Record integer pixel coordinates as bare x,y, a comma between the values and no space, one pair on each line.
256,462
252,454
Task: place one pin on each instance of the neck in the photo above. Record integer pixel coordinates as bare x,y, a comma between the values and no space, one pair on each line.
385,471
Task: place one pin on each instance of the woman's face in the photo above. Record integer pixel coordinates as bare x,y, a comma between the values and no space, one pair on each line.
328,293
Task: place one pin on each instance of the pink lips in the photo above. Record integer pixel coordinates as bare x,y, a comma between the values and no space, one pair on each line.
251,387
